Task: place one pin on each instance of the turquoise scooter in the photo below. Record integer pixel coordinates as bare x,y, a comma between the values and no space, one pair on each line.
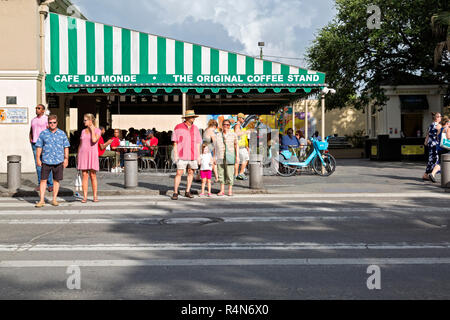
323,163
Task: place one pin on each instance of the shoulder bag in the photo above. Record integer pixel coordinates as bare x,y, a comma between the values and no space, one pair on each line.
230,157
445,143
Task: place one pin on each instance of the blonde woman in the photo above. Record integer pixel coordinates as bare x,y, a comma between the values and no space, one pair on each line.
88,155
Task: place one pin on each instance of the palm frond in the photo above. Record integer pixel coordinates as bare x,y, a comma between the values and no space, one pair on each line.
440,24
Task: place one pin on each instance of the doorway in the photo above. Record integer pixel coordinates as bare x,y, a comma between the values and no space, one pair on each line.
412,124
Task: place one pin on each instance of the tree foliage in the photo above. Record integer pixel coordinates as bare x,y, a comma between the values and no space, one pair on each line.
358,59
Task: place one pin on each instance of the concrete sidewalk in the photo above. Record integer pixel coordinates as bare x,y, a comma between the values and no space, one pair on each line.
351,176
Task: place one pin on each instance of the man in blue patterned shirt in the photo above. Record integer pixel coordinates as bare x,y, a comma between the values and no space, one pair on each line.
53,145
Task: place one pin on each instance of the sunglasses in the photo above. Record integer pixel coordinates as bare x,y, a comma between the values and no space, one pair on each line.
38,108
52,122
227,124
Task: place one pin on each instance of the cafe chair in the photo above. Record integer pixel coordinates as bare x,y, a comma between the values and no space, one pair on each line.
105,162
169,166
146,163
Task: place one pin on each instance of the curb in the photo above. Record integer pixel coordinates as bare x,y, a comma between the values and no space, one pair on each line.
5,193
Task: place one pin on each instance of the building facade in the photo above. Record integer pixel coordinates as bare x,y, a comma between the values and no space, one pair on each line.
22,73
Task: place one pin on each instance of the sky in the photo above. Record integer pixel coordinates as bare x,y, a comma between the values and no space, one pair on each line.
286,26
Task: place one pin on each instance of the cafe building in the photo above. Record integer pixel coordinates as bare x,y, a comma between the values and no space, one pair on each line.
90,67
398,129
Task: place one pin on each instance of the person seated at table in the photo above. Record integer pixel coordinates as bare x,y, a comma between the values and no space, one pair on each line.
150,143
104,149
303,143
114,144
289,140
134,142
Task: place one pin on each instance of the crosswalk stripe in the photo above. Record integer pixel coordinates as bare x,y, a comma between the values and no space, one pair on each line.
223,262
345,196
219,246
167,208
203,220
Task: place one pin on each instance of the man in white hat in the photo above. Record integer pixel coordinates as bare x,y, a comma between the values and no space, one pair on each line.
187,142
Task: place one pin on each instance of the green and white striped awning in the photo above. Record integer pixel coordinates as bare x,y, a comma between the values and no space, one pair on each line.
82,54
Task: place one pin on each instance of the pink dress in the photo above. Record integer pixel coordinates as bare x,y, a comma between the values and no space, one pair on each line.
88,153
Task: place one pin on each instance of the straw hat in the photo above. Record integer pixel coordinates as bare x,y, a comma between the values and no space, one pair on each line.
190,114
241,115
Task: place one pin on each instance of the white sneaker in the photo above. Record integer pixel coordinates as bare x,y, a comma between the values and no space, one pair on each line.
113,170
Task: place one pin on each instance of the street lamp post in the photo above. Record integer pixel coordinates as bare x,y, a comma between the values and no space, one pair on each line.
261,45
324,91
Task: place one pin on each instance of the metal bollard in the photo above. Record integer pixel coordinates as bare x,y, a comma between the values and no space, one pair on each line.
131,170
256,173
445,171
14,172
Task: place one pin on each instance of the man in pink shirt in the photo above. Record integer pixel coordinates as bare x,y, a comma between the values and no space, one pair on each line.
187,142
39,124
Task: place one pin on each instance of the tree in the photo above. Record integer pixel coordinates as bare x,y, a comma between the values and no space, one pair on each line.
440,24
358,59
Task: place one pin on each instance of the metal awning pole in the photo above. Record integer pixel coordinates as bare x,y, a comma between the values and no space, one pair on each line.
293,117
306,119
184,103
323,116
118,110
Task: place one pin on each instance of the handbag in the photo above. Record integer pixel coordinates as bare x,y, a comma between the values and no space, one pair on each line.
445,143
230,157
77,181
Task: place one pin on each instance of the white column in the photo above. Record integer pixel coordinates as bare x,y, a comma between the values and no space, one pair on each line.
293,117
43,13
184,99
323,116
306,119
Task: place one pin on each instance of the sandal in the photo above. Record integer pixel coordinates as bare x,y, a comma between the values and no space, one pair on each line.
95,200
84,201
221,194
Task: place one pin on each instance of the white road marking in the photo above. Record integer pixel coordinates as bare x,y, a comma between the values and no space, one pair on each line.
347,195
192,220
220,246
223,262
163,209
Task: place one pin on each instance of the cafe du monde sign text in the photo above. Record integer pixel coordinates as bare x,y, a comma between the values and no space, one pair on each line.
60,82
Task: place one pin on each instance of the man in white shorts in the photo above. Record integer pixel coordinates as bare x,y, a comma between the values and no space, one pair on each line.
187,142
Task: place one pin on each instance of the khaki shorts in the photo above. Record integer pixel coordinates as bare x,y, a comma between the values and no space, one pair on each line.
183,164
243,155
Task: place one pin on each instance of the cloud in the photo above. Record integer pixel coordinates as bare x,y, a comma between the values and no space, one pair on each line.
248,22
286,26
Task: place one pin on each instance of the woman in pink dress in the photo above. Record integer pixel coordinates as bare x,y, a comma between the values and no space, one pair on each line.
88,155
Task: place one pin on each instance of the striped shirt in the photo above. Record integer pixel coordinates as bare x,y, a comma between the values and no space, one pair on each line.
230,140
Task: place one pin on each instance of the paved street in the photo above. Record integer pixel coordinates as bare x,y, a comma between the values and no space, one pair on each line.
247,247
351,176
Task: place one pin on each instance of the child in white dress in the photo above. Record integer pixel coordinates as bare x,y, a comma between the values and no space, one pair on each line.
207,162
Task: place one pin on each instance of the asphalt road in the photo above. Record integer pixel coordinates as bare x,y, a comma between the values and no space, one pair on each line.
245,247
